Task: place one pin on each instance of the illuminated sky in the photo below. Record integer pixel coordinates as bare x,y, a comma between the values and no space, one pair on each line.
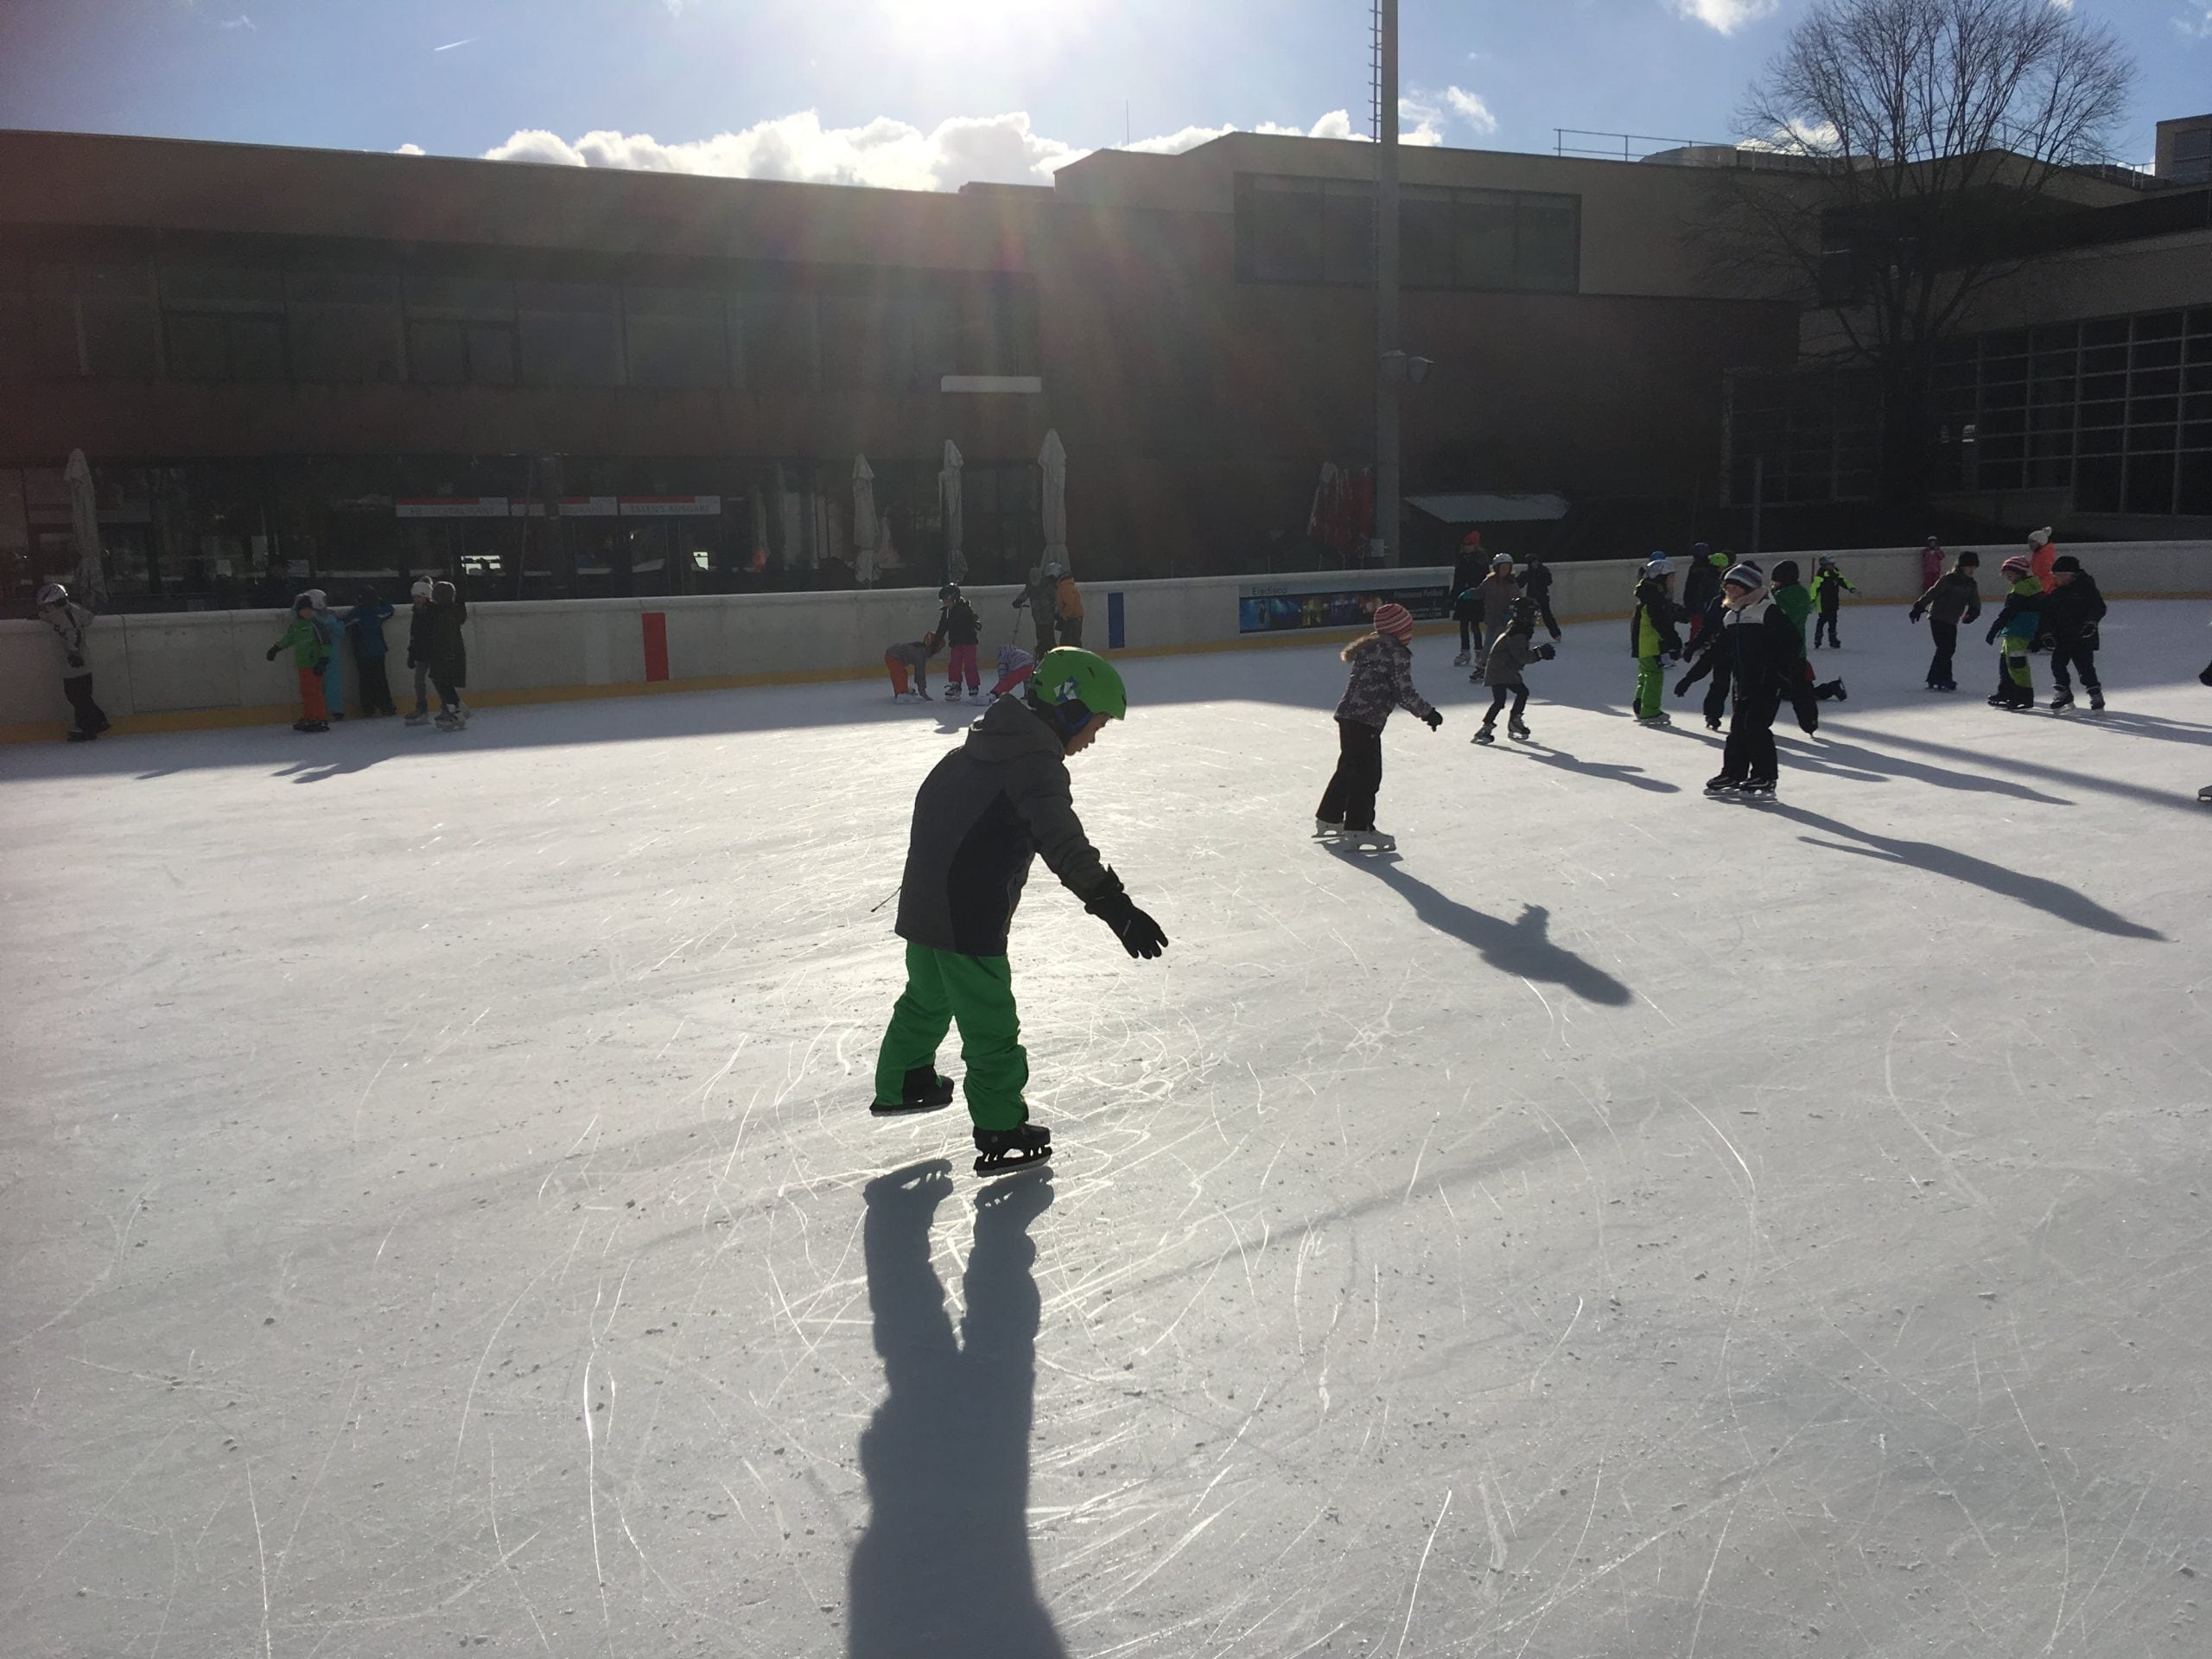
917,92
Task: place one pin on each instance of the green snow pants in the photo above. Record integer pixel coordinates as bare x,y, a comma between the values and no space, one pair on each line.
1650,681
941,987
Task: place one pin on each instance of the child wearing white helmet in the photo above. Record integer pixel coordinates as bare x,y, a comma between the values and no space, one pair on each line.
70,621
1652,638
418,650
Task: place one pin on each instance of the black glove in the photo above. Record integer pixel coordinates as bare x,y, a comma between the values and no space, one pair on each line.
75,660
1681,688
1546,652
1914,613
273,650
322,663
1140,935
1435,719
1989,638
1808,717
2205,679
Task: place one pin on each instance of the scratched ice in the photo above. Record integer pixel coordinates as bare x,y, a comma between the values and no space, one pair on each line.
441,1209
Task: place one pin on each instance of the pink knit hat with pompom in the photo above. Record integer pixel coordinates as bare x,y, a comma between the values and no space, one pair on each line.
1395,620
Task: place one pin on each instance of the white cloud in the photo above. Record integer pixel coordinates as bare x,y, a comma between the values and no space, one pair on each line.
2197,28
409,149
1470,109
884,153
1725,15
239,21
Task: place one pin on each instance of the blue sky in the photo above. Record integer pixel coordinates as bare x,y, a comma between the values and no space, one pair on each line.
919,93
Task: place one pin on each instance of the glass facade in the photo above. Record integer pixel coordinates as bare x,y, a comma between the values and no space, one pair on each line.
1303,229
228,535
2119,410
272,324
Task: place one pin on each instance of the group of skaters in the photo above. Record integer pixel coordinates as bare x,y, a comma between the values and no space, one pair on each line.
1055,607
1735,625
320,639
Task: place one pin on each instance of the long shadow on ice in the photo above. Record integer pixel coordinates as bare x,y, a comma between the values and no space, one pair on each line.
944,1566
1522,948
2037,893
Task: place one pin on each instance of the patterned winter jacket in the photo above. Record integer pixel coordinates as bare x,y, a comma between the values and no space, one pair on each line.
1381,680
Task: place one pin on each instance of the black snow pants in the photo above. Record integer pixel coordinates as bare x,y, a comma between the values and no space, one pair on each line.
1946,635
1716,694
2072,650
1825,623
1499,694
376,687
1750,755
1350,797
77,688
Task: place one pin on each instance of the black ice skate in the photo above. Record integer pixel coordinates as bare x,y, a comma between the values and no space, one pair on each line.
2096,701
1757,791
2063,701
1000,1150
923,1090
1516,730
1485,736
1723,787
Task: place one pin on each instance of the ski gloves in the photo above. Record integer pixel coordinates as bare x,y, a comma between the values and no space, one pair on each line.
1547,652
1140,935
1434,719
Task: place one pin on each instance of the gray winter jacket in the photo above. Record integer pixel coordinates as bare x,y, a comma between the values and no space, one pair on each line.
984,810
69,621
1953,599
1508,656
1381,679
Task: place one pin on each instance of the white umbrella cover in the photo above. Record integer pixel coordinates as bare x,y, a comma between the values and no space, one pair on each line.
1053,458
955,562
866,533
91,577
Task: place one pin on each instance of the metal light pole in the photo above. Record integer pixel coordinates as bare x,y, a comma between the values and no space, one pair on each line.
1385,545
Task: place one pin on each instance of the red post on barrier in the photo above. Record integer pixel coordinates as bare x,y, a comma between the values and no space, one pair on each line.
656,625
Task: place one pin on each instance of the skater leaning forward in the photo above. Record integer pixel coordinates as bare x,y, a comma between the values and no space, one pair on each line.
1949,599
1381,680
1502,670
982,813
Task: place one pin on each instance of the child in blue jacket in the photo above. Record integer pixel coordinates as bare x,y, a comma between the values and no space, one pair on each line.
365,626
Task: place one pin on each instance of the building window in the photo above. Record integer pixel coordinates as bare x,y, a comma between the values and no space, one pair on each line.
38,324
343,326
779,355
119,310
1291,230
2192,155
675,337
569,334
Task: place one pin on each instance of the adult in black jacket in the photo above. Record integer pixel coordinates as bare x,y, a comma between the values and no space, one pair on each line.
1759,647
1951,599
1467,573
1536,587
445,652
2071,611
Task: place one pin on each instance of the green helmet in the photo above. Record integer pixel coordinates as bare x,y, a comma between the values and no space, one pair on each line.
1070,674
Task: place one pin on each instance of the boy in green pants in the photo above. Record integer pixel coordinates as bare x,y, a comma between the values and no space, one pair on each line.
982,813
1651,636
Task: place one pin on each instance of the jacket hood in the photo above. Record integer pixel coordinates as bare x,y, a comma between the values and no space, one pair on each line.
1008,729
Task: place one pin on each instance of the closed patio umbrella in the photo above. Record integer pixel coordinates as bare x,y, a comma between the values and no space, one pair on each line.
91,576
955,562
865,532
1053,458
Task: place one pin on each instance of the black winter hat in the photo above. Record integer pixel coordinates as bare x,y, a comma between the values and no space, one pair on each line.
2066,561
1785,573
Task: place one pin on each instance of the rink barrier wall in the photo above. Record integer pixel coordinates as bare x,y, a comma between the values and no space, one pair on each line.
200,669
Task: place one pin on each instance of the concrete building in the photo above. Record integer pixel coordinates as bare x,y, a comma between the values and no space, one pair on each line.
292,366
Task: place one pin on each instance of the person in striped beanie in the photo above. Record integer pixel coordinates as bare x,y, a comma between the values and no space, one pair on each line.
1382,681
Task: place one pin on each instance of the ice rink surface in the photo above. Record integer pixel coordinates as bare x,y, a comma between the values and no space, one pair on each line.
442,1213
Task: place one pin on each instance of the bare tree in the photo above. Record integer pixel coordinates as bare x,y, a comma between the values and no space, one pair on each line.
1923,151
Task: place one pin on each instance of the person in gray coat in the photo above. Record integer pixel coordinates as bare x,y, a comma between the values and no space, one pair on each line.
983,814
1950,600
71,622
1502,673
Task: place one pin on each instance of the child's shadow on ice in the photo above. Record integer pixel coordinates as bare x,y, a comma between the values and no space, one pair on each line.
1522,948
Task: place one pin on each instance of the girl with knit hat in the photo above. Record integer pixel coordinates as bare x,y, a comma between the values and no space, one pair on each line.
2018,624
1381,680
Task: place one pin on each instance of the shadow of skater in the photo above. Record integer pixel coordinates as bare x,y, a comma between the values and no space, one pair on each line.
1544,754
943,1566
1522,948
2052,897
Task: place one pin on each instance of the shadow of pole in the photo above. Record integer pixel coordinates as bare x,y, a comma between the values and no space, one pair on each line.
2037,893
944,1566
1523,948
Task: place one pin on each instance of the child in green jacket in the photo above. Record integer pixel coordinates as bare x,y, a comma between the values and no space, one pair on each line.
1828,590
310,649
2019,623
1795,600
